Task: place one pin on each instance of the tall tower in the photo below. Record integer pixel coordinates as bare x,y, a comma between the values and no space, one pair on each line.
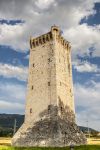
50,74
49,114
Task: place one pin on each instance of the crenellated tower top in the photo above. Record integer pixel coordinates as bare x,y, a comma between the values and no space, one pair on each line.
55,29
55,33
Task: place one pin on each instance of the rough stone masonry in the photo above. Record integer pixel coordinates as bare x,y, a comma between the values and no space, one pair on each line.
49,113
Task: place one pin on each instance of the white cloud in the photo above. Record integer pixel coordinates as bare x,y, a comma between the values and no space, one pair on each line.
10,71
9,107
12,97
12,92
43,4
26,57
14,36
87,98
83,37
86,67
40,15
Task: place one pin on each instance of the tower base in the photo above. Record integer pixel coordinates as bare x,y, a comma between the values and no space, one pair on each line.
52,130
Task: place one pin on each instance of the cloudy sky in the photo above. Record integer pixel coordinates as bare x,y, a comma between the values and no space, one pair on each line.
80,22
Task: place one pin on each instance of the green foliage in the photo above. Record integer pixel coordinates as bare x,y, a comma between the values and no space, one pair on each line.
87,147
7,124
7,120
6,132
94,134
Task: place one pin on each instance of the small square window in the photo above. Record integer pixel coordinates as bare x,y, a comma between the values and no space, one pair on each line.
48,83
61,109
30,110
48,60
33,65
69,66
32,87
49,108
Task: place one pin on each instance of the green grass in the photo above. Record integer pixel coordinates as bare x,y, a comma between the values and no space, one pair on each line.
88,147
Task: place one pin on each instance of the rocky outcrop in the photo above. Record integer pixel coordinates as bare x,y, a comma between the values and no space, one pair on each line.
55,128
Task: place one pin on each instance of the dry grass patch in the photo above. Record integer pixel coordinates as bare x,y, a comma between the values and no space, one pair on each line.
5,141
93,141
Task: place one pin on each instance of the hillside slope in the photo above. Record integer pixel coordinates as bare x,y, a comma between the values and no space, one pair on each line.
7,124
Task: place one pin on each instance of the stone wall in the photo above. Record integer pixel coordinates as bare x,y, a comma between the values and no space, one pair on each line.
53,129
50,75
49,114
42,80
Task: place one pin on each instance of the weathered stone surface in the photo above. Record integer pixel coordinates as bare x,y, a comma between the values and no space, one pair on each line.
52,130
49,113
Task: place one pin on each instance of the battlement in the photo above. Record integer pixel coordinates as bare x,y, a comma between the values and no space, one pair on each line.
54,34
34,42
49,114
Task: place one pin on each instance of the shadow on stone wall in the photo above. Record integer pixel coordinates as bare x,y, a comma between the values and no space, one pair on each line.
62,111
56,127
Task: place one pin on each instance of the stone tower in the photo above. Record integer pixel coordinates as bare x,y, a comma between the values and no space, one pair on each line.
49,113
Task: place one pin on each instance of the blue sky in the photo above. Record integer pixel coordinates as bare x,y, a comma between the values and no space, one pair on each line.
80,23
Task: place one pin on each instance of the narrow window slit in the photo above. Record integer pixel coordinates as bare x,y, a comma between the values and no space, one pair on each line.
32,87
30,110
48,83
33,65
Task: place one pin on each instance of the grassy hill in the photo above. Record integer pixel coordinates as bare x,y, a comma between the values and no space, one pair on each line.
7,124
85,129
85,147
